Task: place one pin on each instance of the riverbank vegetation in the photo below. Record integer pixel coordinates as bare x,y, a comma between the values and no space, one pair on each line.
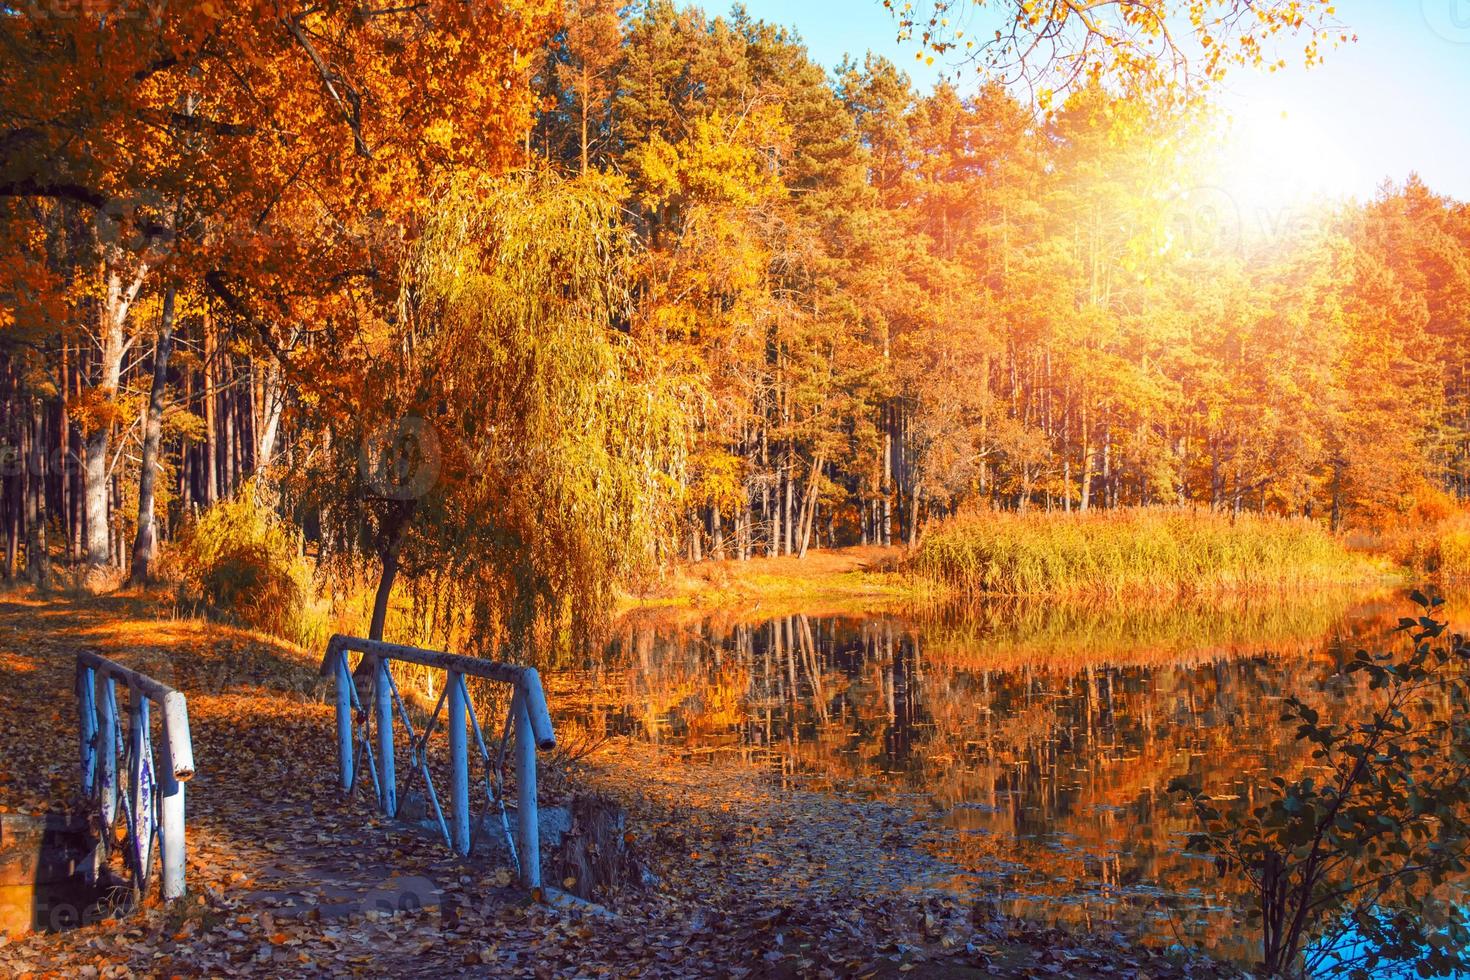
1358,868
1135,552
1441,550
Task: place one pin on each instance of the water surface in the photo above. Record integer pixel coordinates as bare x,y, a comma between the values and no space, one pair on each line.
1038,739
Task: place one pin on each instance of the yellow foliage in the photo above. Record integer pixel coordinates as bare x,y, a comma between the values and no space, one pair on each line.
242,561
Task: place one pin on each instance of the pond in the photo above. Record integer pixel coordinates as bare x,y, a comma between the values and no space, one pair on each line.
1037,740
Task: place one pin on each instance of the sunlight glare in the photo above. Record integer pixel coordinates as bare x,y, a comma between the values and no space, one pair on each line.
1279,167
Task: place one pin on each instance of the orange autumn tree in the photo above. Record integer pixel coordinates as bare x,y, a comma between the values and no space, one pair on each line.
269,151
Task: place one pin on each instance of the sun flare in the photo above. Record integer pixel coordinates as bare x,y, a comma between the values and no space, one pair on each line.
1278,167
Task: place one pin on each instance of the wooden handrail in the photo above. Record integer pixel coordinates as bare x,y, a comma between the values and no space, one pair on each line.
529,722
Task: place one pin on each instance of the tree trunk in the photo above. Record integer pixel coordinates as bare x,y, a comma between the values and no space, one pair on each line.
380,599
747,533
885,529
914,501
1086,463
211,423
9,487
582,99
116,302
38,558
76,466
389,543
273,402
809,506
773,517
231,448
145,541
786,508
67,474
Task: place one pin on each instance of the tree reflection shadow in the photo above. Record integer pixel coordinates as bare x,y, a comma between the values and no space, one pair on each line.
1041,737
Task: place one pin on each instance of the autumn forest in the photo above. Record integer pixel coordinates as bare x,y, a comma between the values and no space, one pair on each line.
593,335
860,306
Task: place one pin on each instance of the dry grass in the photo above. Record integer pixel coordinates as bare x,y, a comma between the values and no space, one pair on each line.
1437,546
1152,551
1446,551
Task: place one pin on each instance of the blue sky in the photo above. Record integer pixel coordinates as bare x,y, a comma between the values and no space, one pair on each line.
1395,102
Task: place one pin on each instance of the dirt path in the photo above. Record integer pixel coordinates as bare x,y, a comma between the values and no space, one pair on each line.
287,879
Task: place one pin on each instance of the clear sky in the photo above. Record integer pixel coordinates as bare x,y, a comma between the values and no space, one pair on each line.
1397,101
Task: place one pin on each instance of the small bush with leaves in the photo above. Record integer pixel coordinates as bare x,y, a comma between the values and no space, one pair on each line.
1358,869
241,560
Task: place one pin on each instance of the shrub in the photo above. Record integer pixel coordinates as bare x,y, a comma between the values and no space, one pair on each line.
1436,545
242,561
1359,867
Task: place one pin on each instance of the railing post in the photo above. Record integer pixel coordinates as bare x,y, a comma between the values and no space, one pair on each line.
526,816
87,708
459,763
154,804
387,783
171,844
140,778
344,722
107,746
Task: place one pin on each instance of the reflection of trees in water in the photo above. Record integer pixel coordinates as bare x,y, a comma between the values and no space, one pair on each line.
1045,749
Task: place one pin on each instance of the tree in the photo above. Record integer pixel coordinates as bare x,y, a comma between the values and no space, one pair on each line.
505,449
146,538
592,39
263,149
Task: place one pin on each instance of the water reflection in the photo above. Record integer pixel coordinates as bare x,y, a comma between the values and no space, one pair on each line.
1041,738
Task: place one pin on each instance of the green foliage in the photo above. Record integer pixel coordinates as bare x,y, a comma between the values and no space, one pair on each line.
241,560
1140,551
1359,866
534,456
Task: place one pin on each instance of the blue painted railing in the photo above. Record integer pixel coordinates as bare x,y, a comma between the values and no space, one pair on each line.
365,741
149,798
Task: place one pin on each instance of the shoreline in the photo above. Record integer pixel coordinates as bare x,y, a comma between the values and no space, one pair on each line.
870,578
854,579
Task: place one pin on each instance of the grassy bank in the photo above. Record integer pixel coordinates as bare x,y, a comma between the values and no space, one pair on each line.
1441,551
830,581
1154,551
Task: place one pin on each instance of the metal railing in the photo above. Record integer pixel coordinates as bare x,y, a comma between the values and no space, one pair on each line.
527,721
150,798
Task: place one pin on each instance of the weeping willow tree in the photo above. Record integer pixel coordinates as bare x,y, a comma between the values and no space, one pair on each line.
511,456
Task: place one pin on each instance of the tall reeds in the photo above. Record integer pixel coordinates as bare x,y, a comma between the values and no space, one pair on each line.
1143,551
1449,549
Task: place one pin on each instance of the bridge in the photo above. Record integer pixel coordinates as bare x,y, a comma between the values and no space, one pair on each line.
131,834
